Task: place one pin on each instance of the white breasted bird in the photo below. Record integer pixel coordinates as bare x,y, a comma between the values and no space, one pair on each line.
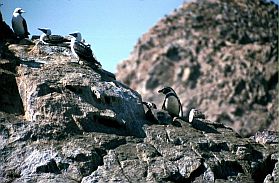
195,114
82,51
171,103
47,38
19,24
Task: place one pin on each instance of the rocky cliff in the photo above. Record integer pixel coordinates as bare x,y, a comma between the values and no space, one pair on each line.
219,55
65,122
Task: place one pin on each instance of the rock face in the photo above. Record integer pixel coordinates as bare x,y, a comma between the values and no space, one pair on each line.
219,55
46,98
65,122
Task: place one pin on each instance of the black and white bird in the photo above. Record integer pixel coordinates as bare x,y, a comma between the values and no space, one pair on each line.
81,50
1,18
155,115
171,103
47,38
150,105
19,24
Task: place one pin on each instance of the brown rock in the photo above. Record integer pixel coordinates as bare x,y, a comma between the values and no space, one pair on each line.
220,57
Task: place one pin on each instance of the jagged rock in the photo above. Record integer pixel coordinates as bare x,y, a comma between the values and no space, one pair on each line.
220,57
65,122
47,100
186,154
80,98
6,32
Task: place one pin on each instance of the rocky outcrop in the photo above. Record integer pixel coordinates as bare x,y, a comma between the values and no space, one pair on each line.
6,32
46,98
219,55
65,122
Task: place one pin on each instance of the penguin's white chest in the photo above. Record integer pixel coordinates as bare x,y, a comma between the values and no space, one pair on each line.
18,25
172,105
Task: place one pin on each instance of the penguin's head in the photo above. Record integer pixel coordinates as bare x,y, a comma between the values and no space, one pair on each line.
150,105
18,11
166,90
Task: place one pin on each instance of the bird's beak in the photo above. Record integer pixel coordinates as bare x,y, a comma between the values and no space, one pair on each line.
22,11
40,29
160,91
72,34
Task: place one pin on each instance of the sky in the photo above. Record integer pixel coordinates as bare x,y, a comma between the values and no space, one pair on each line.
112,27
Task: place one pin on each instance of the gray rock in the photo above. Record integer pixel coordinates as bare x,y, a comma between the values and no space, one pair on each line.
65,122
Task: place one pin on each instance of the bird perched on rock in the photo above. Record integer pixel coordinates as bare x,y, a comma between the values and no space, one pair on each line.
1,18
155,115
47,38
195,114
150,105
171,103
19,24
82,51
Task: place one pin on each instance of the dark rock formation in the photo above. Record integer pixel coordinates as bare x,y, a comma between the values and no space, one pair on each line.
219,55
6,32
50,106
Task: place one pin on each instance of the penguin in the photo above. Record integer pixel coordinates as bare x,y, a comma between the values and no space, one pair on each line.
195,114
155,115
150,105
19,24
171,103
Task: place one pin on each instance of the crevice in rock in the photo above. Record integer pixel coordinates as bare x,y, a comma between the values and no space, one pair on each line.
112,123
214,147
224,169
10,100
263,169
51,167
196,173
176,177
273,81
44,89
75,89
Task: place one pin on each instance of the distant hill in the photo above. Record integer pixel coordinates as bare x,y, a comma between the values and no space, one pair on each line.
219,55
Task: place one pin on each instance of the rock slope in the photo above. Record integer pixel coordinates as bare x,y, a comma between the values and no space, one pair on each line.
219,55
65,122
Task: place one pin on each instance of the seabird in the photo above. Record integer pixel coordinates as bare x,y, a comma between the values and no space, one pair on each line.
19,24
82,51
47,38
1,18
194,114
171,103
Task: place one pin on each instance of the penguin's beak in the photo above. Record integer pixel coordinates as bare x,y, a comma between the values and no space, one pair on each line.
21,11
160,91
144,103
